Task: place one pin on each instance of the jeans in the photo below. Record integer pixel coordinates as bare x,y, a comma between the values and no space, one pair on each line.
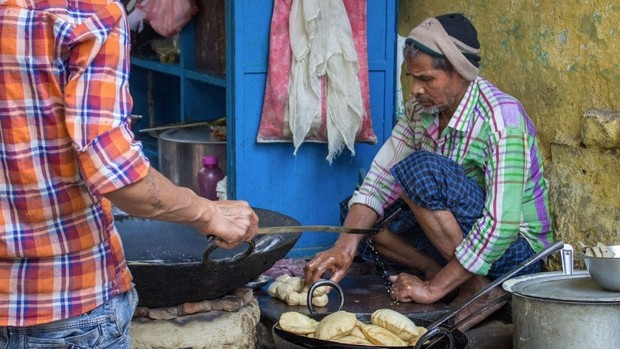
106,326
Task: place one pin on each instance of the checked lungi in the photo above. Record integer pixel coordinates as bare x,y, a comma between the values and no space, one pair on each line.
435,182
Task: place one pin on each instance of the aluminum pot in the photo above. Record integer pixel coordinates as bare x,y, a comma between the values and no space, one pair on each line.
181,151
555,310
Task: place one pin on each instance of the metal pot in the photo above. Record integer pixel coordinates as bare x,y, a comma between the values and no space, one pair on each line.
170,267
555,310
181,150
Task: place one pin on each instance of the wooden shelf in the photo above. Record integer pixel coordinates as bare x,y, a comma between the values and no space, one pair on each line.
198,75
167,68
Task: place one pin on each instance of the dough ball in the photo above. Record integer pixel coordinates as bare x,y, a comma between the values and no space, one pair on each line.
320,301
272,290
303,299
336,324
283,278
283,290
296,282
397,323
297,323
293,298
319,291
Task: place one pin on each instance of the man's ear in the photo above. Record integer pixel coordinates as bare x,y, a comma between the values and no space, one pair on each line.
460,78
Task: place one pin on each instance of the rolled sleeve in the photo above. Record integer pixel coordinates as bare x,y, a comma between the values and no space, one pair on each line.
112,161
98,102
379,189
370,201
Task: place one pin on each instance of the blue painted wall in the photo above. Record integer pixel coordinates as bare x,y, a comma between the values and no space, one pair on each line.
305,187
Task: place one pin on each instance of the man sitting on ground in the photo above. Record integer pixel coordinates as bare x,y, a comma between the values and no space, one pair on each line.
465,166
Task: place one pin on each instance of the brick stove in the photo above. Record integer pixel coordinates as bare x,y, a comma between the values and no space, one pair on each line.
227,322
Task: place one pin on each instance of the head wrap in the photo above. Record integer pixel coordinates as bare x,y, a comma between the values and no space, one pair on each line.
450,36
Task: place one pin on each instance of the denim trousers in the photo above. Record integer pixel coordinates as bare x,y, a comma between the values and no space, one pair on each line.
106,326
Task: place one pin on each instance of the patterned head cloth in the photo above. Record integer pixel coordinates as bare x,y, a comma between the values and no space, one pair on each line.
451,36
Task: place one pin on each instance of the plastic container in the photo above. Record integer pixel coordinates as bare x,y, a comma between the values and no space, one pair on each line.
208,176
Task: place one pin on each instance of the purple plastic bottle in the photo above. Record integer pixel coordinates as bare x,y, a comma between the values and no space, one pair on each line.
208,176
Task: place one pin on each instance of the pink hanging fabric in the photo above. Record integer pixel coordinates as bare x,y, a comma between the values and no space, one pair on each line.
273,125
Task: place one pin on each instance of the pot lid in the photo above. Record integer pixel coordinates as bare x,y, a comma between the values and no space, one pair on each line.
578,287
192,135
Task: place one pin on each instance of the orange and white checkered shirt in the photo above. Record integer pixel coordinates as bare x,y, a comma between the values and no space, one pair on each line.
65,140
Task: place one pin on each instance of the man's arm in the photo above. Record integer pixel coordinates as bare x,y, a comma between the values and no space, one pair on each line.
359,216
110,161
379,189
156,197
339,258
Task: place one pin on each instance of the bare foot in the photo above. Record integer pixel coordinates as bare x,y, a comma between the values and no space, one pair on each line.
466,292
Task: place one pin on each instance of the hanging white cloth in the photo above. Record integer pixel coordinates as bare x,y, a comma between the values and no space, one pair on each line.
323,47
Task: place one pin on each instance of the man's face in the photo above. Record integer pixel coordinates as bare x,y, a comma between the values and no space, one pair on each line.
435,89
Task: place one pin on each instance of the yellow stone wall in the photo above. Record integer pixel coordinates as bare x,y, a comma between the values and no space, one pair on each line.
560,59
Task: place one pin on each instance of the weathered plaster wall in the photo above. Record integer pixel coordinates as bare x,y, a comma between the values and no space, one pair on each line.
561,60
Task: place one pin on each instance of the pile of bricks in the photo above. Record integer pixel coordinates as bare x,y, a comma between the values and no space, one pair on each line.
229,303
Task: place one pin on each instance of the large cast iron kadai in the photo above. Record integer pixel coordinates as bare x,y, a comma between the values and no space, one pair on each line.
169,266
444,339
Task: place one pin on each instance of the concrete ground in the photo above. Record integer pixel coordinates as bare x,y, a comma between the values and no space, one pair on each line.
493,333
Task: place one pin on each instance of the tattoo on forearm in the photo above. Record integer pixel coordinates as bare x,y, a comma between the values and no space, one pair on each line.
153,191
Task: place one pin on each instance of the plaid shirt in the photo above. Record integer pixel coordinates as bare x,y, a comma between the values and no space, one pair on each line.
493,139
65,140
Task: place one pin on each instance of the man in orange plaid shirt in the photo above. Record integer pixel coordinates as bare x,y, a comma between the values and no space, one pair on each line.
66,154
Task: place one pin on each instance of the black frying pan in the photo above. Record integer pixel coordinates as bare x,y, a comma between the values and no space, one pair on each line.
460,340
440,337
170,266
437,336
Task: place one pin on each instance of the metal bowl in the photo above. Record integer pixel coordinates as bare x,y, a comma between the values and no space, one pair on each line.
605,271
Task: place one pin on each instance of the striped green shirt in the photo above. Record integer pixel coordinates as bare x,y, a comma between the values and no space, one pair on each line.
493,139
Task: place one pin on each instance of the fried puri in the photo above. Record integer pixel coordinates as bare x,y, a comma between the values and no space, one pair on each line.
397,323
382,336
336,324
297,323
388,328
